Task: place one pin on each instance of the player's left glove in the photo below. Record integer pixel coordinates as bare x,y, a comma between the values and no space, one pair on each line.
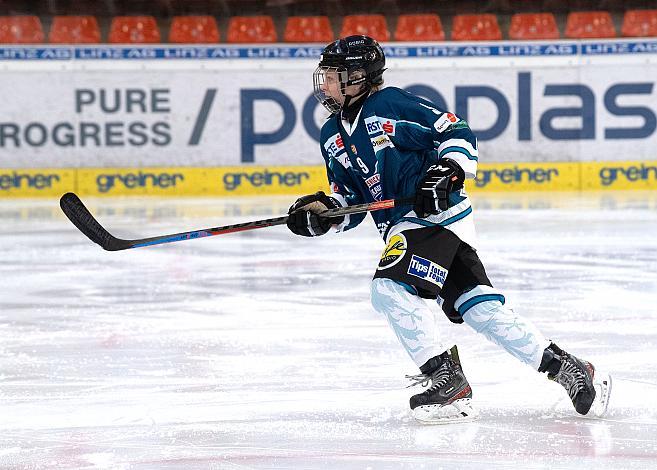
432,195
304,218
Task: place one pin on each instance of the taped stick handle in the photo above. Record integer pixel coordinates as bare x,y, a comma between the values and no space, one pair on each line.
368,207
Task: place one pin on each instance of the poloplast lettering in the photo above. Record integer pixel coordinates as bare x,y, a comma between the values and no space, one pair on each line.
105,182
649,119
465,93
256,179
251,138
524,108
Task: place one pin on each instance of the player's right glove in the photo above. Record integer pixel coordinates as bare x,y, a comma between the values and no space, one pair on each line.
304,218
432,195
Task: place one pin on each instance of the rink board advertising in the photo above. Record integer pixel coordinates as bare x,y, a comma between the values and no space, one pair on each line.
125,120
296,180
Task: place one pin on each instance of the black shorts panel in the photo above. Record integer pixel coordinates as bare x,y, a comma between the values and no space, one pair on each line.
420,257
467,272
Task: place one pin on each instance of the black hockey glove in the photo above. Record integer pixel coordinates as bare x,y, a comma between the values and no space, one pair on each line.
304,218
432,194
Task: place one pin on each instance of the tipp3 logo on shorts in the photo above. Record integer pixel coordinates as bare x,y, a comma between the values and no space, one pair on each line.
427,270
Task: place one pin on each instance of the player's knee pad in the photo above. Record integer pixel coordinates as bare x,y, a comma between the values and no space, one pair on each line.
483,309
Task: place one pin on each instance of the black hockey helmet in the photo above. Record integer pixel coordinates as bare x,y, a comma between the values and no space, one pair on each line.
344,57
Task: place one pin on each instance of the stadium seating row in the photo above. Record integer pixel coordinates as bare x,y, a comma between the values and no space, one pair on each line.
303,29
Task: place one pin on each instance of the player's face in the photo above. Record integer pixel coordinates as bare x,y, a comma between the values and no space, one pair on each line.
331,86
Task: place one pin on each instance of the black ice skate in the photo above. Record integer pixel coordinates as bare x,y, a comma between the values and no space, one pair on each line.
448,398
586,388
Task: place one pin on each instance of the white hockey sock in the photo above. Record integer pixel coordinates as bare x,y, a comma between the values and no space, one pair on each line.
483,309
410,317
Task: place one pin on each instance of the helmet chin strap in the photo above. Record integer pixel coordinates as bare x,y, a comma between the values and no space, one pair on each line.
349,98
352,105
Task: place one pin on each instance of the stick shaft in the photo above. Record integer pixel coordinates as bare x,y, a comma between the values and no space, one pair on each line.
77,212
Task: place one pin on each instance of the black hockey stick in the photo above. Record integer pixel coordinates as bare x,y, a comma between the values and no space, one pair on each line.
77,213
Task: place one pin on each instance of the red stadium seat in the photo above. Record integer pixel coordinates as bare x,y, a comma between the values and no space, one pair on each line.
374,26
426,27
533,26
251,29
640,23
20,30
74,30
590,24
482,27
134,30
308,29
194,30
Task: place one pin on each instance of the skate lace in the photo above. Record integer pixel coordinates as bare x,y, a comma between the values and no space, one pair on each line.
571,378
438,378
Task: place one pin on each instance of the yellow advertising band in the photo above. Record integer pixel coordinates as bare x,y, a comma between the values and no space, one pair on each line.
295,180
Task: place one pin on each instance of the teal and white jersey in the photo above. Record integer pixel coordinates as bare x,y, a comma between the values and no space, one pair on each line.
394,139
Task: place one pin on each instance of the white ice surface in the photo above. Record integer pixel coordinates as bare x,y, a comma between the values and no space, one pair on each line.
260,349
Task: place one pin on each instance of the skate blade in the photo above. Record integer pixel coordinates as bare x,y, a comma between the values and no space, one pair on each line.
456,412
602,384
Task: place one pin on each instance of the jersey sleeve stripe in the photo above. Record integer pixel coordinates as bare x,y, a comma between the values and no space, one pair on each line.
426,223
453,149
462,143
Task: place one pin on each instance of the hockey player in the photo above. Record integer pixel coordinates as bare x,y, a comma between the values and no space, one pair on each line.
383,143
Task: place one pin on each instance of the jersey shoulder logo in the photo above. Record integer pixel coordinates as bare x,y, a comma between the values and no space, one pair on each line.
445,121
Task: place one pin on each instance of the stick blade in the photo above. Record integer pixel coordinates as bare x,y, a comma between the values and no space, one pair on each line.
80,216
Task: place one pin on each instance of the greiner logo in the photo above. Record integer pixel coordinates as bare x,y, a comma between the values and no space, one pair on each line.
516,175
256,179
106,182
15,180
609,175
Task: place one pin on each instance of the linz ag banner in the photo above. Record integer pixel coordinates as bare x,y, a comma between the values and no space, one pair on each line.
252,109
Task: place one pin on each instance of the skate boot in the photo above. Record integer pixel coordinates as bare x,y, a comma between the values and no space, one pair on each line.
448,398
586,388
